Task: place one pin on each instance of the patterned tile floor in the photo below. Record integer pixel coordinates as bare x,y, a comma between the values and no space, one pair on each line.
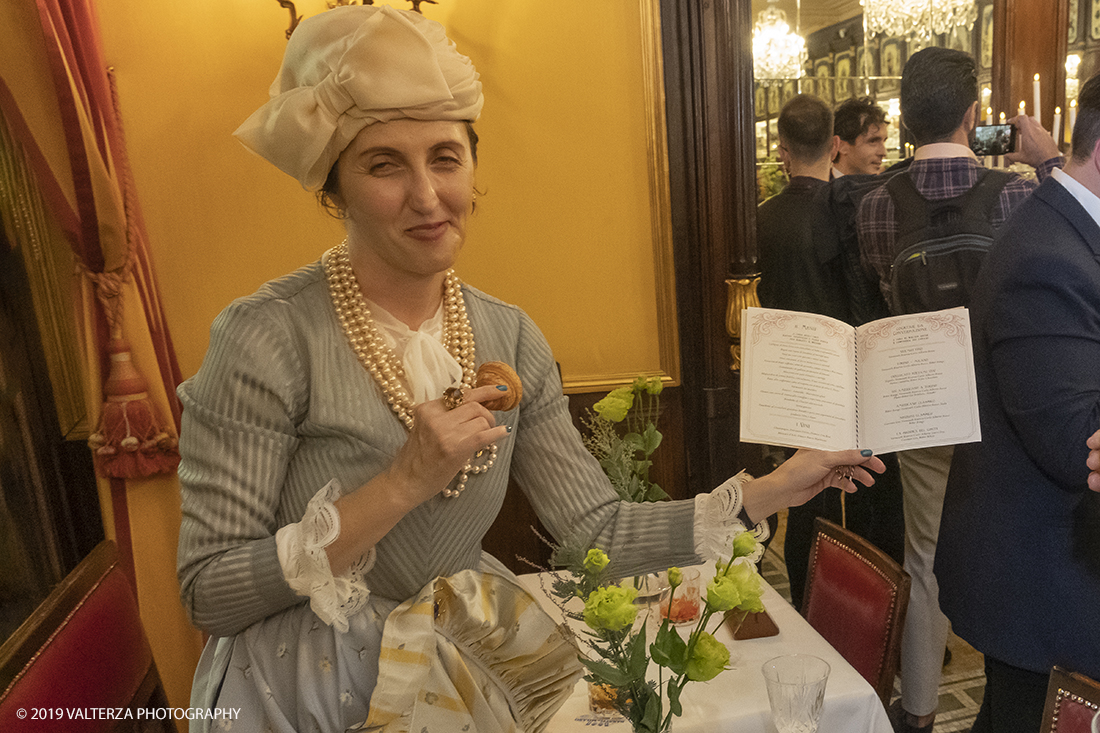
963,679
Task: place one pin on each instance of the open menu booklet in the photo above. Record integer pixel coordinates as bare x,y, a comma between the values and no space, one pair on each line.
810,381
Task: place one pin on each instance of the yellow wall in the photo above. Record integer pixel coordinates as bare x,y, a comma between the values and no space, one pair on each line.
564,229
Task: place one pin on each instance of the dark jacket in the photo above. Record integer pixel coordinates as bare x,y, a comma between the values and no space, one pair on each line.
807,254
1018,558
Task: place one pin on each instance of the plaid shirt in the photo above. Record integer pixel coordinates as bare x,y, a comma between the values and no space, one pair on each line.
937,179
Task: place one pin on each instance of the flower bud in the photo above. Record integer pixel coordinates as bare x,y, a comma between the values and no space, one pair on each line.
723,593
744,545
615,405
596,560
746,582
675,577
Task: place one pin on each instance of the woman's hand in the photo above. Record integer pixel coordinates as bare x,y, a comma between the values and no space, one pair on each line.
1093,461
804,475
442,441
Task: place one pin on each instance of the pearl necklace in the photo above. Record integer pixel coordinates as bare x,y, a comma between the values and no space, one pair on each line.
377,357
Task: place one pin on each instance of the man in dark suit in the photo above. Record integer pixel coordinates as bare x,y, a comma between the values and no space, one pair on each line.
804,267
1018,559
795,274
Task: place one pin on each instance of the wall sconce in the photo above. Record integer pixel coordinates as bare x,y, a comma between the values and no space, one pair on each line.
295,19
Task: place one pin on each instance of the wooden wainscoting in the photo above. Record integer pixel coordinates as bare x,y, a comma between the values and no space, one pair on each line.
513,536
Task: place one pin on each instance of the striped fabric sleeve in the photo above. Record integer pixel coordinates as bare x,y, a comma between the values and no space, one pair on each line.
569,491
238,437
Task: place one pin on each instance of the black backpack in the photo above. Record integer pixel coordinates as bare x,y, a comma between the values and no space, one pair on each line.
940,244
838,232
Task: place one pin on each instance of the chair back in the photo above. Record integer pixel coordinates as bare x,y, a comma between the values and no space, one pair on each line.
856,597
83,649
1073,703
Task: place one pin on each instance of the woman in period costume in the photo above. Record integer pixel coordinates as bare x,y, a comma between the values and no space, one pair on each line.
341,463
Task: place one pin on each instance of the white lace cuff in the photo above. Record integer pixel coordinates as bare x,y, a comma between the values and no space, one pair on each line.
717,521
301,547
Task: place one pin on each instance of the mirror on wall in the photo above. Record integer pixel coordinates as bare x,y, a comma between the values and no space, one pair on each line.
841,57
1082,55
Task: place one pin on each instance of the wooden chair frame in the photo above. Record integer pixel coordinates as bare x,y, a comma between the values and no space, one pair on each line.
84,646
1073,688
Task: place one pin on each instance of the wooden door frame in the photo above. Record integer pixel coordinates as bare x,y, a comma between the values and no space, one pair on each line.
708,103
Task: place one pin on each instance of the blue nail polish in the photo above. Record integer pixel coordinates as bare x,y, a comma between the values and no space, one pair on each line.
509,428
502,387
866,452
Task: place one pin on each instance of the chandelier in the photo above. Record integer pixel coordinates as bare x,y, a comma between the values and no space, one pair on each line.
917,19
776,52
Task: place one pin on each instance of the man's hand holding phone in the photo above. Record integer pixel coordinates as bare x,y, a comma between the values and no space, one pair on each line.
1034,145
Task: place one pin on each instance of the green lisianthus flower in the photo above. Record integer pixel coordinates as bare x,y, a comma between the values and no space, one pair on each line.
654,386
723,593
615,405
708,658
744,544
596,560
610,608
746,583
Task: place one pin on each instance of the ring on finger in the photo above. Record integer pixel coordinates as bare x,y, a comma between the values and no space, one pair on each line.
452,397
843,472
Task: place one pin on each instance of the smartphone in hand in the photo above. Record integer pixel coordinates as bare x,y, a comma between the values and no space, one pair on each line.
994,139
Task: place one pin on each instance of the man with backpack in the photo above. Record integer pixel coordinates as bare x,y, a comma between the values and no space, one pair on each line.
942,212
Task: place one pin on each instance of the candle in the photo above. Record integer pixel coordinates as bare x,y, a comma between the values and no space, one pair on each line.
1035,93
989,115
1022,110
999,159
1057,126
1072,118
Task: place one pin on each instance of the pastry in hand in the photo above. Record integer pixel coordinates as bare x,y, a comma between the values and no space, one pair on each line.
497,372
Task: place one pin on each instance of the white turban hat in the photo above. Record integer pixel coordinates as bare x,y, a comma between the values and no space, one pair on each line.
351,66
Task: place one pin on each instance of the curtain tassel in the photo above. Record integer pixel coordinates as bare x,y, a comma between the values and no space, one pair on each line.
130,441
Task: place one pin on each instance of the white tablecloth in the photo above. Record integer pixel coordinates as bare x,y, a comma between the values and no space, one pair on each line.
736,701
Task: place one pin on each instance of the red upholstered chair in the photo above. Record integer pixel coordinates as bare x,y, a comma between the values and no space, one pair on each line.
84,648
1073,703
856,597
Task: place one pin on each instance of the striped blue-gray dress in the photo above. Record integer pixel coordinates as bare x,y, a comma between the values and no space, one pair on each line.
281,407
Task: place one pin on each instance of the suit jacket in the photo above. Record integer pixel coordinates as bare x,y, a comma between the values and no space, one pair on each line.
808,255
1018,558
796,272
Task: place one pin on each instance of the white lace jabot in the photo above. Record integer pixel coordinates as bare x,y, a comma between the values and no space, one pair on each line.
429,367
